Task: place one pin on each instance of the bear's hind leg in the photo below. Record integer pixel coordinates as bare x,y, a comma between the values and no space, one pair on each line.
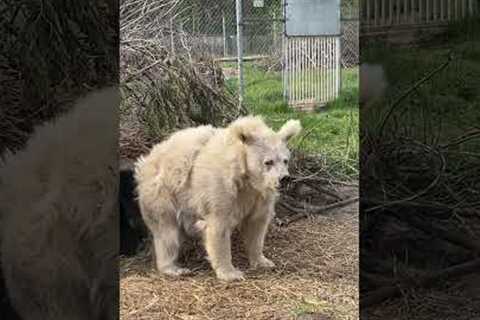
166,232
166,242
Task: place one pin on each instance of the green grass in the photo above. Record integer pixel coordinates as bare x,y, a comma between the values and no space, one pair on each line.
331,133
442,107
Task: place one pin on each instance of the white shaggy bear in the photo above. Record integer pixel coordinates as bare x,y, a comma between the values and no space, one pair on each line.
211,180
59,215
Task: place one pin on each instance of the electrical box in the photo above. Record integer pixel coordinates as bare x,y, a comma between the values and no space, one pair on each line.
312,17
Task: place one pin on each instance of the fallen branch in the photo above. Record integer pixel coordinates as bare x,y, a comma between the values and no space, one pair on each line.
435,230
313,177
394,291
322,190
312,209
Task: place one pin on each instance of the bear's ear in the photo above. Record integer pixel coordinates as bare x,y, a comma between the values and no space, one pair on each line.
290,129
245,129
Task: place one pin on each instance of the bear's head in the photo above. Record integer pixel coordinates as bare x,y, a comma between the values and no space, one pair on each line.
265,154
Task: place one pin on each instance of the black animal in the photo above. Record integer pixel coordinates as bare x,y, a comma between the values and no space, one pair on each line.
133,231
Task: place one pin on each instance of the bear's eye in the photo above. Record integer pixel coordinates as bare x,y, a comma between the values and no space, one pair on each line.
269,163
285,161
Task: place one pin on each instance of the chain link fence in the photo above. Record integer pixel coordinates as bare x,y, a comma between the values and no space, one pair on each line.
207,28
350,33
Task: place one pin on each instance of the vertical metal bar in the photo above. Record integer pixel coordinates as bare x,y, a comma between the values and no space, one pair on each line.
398,11
314,67
412,11
314,64
304,68
390,12
375,12
289,68
367,17
405,11
435,13
240,53
383,13
420,11
339,67
427,11
304,60
455,9
284,69
224,29
317,70
309,74
442,10
321,50
449,7
324,70
274,30
296,70
284,56
325,67
328,52
293,67
332,67
302,77
300,69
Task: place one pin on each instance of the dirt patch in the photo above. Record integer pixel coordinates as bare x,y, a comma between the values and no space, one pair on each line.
316,276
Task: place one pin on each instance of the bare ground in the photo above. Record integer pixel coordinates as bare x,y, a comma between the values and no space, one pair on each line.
316,278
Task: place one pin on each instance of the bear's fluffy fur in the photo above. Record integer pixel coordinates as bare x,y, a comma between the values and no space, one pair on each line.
59,215
208,181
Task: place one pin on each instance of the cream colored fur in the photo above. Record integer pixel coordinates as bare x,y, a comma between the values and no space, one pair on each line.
59,218
209,181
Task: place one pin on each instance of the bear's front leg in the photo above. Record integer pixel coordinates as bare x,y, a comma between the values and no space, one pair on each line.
254,230
218,246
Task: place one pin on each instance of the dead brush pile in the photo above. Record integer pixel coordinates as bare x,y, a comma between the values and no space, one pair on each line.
44,66
165,84
431,202
311,189
163,93
420,221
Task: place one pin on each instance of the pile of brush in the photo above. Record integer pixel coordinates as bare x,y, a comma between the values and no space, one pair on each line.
163,92
420,224
42,72
311,189
165,86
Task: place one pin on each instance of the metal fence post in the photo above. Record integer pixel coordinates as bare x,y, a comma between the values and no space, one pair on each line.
240,53
284,54
224,31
